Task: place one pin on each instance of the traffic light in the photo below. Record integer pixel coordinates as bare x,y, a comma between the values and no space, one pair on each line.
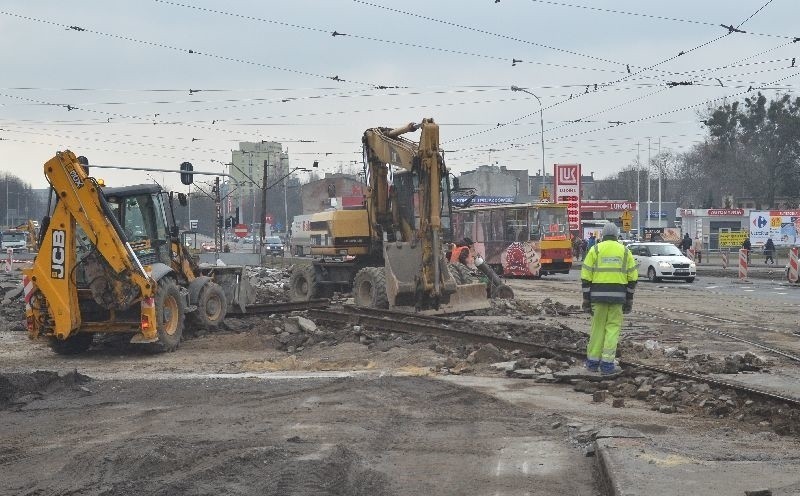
236,217
228,222
187,178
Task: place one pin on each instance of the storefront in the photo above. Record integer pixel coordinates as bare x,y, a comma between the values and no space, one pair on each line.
706,223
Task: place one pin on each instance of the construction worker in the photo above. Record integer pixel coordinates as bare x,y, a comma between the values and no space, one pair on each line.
608,279
462,253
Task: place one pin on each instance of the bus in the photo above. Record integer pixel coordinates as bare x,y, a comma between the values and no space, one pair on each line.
526,240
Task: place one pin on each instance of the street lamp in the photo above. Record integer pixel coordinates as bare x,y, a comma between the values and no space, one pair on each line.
541,122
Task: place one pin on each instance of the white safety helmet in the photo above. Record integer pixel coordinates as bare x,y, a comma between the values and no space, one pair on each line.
610,229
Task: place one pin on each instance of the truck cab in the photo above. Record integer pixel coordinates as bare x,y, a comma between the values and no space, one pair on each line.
16,240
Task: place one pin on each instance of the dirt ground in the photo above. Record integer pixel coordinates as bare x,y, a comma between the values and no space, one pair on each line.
265,408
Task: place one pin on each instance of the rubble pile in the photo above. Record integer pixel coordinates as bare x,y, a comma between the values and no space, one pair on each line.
269,284
12,304
679,358
668,395
501,306
19,389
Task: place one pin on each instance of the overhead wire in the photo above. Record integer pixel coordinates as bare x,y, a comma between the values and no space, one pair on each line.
188,50
663,18
647,68
512,59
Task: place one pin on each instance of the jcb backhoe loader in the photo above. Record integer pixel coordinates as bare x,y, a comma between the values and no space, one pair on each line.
390,253
110,261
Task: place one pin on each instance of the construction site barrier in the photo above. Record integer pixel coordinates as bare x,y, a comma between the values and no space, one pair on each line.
742,264
793,265
9,259
724,259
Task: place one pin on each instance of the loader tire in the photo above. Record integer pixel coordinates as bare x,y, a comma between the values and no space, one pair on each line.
369,288
212,306
303,283
170,312
73,345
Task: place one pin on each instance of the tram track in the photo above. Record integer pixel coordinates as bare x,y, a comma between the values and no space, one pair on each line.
761,346
390,321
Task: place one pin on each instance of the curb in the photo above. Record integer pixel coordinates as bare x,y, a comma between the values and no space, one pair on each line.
608,482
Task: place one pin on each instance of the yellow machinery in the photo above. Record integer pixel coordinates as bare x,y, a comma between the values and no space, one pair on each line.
111,261
31,234
390,253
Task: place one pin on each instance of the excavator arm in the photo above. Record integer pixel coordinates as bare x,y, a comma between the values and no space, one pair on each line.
117,279
384,147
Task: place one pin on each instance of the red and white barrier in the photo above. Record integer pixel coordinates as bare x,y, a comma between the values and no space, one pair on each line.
690,254
742,264
9,259
724,259
793,265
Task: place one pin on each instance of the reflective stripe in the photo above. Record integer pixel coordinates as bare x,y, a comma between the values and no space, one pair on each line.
608,269
607,293
630,290
586,289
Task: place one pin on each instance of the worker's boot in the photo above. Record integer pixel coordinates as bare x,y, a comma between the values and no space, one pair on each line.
591,365
607,368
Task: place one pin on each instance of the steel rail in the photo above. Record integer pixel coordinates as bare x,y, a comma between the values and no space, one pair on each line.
282,307
387,320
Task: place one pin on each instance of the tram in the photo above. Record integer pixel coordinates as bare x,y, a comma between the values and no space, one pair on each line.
526,240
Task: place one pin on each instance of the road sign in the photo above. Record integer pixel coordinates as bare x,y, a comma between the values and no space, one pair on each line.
240,230
626,216
626,225
193,225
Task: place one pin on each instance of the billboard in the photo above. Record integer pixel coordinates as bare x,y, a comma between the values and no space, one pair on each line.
783,226
567,186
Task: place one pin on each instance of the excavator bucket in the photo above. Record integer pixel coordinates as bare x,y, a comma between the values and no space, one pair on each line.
235,283
403,262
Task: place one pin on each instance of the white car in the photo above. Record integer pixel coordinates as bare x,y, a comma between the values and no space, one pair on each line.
658,261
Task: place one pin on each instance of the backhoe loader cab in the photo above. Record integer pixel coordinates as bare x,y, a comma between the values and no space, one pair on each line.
111,261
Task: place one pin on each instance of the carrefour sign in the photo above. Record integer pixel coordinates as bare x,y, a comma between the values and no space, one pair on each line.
782,226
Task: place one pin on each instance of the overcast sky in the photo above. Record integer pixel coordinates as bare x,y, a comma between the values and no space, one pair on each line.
111,79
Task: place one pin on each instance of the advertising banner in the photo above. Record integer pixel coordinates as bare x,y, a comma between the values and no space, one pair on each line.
732,239
567,186
783,226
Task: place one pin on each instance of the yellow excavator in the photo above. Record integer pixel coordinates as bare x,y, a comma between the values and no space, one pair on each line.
390,253
110,260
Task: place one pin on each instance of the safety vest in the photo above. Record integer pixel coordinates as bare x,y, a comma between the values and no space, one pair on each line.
609,272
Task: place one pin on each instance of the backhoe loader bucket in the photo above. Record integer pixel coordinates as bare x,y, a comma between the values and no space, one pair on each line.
403,263
235,283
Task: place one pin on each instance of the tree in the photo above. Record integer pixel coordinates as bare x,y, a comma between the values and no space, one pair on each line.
752,150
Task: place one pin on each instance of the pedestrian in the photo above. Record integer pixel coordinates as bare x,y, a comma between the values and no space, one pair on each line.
686,243
746,246
591,242
698,249
608,279
769,251
584,248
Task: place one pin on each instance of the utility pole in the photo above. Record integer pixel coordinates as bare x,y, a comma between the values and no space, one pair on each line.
638,200
647,222
659,181
217,228
262,230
